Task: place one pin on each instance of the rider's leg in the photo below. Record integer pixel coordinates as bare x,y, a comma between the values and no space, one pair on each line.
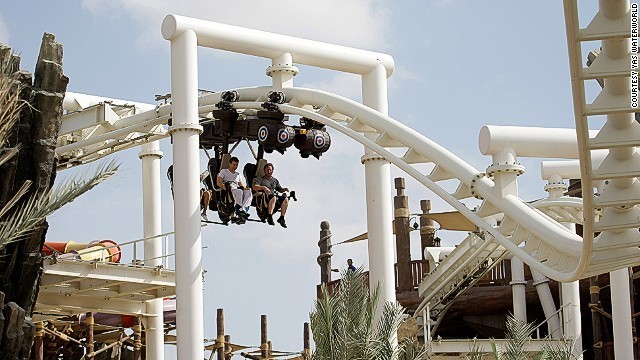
246,199
283,207
272,205
206,198
237,197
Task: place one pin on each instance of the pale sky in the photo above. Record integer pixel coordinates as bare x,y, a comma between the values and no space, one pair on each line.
459,65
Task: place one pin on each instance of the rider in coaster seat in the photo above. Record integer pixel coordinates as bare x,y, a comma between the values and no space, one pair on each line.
266,187
221,200
232,179
205,194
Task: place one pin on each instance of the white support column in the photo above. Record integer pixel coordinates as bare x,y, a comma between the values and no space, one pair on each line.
152,225
378,195
571,310
185,131
541,283
571,315
518,289
621,314
505,171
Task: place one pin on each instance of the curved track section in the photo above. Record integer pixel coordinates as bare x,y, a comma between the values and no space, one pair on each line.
611,241
536,238
474,257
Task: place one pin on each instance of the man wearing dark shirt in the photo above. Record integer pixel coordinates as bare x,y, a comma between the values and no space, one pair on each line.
269,185
350,266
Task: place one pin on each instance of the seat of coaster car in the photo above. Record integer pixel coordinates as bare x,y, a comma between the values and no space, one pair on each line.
259,201
221,200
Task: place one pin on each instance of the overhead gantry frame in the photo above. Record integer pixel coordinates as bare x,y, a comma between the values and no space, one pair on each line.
186,34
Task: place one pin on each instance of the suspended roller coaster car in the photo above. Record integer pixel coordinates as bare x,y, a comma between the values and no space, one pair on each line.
268,127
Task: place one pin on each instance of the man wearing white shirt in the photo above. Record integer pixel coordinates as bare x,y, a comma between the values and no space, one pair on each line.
241,193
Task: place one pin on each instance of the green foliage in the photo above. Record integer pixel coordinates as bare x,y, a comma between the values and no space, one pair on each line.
476,352
30,215
16,223
517,336
562,351
518,333
344,328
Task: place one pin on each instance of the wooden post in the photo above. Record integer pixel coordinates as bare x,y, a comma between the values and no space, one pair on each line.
403,244
220,343
324,259
306,354
264,347
137,339
39,342
52,345
594,292
427,230
227,347
88,324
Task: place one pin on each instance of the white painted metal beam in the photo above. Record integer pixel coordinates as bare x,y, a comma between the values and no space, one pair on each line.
75,270
269,45
81,304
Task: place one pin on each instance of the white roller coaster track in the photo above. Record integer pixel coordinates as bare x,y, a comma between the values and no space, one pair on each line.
474,257
617,244
537,239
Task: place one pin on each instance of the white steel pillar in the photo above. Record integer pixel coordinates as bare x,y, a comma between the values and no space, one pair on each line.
505,170
541,283
571,315
378,195
185,132
152,226
518,289
621,314
572,318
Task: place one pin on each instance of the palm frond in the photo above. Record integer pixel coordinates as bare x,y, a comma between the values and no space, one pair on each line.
344,326
10,98
518,334
16,197
387,329
30,215
410,349
476,352
497,350
10,154
562,351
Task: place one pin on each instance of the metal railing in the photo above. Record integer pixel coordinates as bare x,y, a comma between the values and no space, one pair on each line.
127,251
500,275
419,269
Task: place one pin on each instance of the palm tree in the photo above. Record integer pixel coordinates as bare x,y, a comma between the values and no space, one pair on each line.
343,324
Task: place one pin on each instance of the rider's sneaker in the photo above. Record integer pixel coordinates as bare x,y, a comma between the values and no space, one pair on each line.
270,220
282,222
204,217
